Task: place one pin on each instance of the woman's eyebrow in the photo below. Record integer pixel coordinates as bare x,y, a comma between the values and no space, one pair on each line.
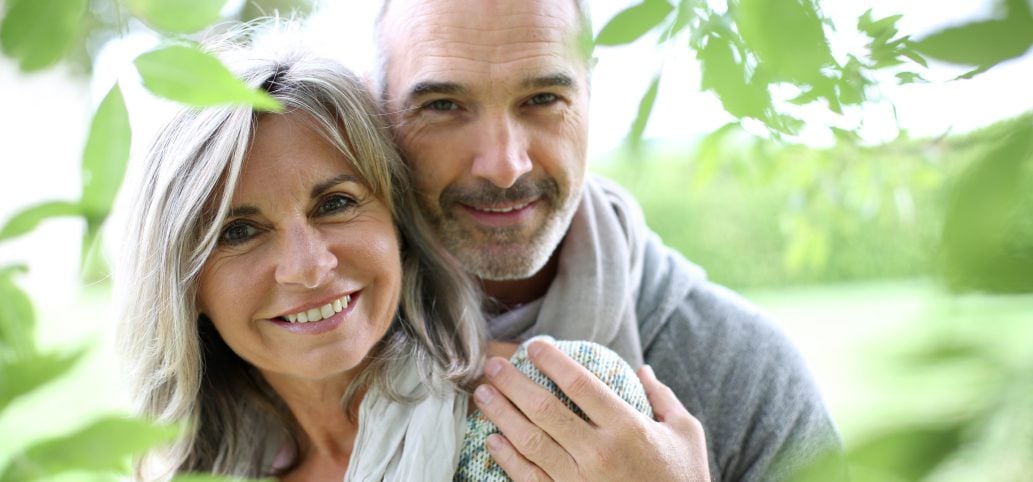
243,211
325,186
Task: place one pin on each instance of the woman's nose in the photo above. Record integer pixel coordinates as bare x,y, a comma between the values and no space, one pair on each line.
305,258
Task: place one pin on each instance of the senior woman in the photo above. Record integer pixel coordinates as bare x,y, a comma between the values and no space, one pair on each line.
282,296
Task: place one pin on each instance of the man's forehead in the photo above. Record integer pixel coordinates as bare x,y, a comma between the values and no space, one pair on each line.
479,10
479,23
447,40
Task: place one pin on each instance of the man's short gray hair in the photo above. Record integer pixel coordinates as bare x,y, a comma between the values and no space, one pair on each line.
585,40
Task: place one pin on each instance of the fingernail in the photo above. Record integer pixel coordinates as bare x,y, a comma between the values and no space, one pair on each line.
483,394
494,441
534,348
649,372
492,367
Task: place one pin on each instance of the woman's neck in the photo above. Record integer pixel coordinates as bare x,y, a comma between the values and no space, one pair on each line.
327,433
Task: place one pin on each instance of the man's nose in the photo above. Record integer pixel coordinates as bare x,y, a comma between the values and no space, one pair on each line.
502,156
305,258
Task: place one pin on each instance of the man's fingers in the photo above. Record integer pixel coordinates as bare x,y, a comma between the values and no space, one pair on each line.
666,406
538,404
515,465
530,440
596,399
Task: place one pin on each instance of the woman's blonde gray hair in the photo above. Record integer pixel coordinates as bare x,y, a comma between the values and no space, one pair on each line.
179,369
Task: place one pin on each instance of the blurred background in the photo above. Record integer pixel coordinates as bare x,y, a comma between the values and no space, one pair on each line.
862,172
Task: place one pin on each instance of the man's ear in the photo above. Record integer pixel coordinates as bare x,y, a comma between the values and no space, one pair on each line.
369,82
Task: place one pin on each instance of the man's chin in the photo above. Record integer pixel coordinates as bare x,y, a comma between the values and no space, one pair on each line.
508,263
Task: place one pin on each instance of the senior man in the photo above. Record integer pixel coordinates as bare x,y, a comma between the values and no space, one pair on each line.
488,100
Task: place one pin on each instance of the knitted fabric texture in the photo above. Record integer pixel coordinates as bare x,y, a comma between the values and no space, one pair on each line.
476,464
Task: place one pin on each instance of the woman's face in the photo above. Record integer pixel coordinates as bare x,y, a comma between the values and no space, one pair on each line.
307,273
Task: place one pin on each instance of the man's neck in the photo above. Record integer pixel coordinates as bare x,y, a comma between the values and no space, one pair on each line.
505,295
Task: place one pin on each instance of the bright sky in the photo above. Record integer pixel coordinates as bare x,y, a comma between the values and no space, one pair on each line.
46,114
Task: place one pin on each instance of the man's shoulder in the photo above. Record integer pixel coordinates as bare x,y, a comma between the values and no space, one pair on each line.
722,329
739,373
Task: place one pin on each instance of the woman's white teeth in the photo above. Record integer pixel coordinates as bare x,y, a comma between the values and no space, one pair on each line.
321,313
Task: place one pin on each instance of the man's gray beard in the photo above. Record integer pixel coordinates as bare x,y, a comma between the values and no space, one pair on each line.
504,254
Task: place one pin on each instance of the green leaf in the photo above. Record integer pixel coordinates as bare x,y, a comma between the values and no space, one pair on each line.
987,236
982,44
22,375
787,35
909,78
784,123
633,22
879,30
806,97
912,54
974,72
684,14
727,78
853,83
645,108
105,156
188,75
709,155
845,136
94,267
909,453
28,219
17,318
104,445
37,33
177,16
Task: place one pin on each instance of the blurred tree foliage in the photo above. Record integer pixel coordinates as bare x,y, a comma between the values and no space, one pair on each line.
959,208
753,51
759,213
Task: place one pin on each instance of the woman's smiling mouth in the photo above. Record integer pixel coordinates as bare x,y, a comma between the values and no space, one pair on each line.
319,313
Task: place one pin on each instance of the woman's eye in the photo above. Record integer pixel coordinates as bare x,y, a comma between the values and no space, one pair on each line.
334,203
441,105
542,99
237,233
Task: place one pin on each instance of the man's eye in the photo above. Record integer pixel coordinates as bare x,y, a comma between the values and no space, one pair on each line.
441,105
237,233
334,204
542,99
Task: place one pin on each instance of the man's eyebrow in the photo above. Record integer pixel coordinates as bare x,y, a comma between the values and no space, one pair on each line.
426,88
325,186
552,80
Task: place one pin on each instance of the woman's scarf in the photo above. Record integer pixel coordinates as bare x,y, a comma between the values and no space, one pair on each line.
416,441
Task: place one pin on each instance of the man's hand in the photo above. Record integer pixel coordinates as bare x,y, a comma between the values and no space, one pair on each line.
544,440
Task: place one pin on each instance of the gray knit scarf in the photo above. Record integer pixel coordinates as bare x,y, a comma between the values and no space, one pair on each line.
600,268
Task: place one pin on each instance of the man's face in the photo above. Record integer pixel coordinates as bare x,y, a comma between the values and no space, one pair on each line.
489,102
